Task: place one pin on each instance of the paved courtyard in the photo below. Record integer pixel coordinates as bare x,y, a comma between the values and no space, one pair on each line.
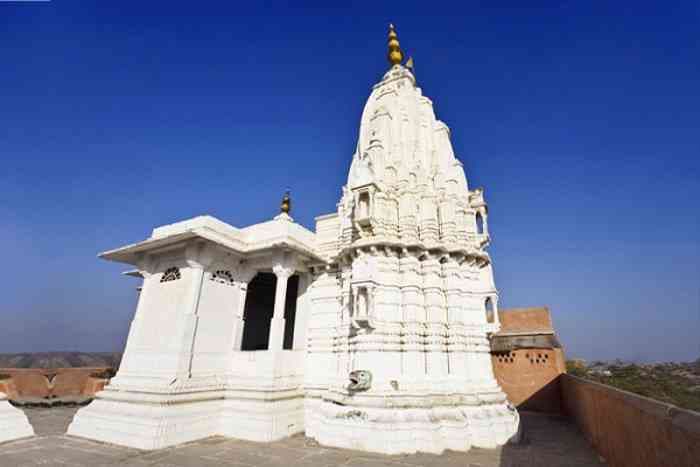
550,441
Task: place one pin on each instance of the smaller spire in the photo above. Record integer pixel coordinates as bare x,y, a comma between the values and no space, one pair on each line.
395,55
409,64
286,205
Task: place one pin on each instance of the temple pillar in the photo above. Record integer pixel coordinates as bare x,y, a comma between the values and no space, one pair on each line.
484,220
282,273
198,258
190,322
302,312
243,277
134,337
496,319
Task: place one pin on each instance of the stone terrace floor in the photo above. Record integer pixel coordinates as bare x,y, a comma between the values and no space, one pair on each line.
550,441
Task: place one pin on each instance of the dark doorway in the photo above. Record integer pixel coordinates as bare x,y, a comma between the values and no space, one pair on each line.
290,311
259,306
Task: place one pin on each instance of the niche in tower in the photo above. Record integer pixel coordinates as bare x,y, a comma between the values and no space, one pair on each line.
479,223
490,310
364,209
362,305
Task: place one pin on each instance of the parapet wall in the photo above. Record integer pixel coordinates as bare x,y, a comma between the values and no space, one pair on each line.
52,383
630,430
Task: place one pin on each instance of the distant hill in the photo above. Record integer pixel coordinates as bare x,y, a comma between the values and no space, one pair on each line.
60,360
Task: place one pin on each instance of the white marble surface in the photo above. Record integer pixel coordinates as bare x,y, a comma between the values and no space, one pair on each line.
13,422
395,283
404,294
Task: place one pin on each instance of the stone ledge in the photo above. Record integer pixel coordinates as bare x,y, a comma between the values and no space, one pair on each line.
68,401
687,420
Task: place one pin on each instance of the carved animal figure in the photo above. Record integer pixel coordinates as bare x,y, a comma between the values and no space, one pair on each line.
360,380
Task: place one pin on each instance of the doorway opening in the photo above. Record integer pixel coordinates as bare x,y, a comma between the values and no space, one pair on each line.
259,309
290,311
259,306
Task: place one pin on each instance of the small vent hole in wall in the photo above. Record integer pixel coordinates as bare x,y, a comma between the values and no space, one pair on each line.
170,274
508,357
223,277
539,358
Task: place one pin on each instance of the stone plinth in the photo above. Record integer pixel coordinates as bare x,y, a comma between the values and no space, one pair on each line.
13,422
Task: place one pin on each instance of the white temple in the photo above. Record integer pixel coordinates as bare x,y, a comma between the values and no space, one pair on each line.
371,333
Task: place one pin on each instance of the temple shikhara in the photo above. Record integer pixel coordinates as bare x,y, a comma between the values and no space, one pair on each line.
370,333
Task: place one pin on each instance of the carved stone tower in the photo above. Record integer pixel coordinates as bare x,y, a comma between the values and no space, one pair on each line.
398,353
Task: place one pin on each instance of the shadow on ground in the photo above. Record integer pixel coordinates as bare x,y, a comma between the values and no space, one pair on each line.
550,441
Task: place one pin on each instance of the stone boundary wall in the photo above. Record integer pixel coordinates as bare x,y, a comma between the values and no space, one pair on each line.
52,383
530,377
630,430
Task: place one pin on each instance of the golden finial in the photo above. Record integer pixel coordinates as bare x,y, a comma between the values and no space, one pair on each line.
395,55
286,205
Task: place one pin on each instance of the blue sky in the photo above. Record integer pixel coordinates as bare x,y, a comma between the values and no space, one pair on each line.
580,119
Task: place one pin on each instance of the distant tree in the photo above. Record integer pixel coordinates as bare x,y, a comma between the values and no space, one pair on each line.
576,368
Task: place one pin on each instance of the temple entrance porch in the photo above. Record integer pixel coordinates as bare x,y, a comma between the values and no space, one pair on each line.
217,343
259,311
263,400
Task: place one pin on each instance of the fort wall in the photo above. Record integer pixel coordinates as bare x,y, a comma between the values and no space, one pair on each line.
52,383
630,430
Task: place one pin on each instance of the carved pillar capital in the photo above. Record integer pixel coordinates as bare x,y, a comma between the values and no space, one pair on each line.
199,255
283,271
284,265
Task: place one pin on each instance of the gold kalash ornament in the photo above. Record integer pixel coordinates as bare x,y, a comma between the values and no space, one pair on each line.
395,55
286,205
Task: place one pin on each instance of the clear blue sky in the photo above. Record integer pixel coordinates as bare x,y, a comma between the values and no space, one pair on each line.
580,119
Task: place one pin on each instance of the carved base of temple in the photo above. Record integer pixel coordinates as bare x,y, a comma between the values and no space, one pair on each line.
148,421
154,421
391,430
13,423
262,415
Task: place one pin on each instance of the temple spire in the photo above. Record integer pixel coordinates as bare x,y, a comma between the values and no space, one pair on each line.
395,54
